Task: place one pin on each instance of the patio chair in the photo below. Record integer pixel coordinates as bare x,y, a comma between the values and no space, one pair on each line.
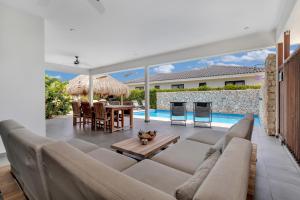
178,113
77,114
127,103
102,118
202,110
87,113
114,103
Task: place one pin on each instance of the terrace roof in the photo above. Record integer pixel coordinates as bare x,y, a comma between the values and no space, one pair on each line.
127,34
203,72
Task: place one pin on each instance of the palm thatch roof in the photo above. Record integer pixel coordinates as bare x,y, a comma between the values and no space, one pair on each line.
78,86
107,85
103,85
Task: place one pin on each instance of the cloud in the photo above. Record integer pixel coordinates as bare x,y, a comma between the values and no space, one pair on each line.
226,64
57,76
164,69
259,55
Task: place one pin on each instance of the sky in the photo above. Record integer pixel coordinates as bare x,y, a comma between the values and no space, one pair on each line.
249,58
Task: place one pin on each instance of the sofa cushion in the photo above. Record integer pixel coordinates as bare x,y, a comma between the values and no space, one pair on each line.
26,161
157,175
240,130
251,118
207,136
187,190
112,159
72,174
6,127
228,180
82,145
185,156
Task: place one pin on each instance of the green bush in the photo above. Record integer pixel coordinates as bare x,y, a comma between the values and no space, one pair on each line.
139,95
57,101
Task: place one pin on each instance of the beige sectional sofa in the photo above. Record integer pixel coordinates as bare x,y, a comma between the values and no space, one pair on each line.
194,168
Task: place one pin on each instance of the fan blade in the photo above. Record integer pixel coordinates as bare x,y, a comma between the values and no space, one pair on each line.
96,4
43,2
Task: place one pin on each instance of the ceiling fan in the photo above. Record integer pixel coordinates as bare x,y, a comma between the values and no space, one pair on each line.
77,62
96,4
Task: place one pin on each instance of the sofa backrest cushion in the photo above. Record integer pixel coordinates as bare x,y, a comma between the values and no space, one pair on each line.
71,174
187,190
250,116
25,153
6,127
240,130
228,180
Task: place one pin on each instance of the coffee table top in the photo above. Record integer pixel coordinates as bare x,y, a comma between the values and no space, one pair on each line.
134,147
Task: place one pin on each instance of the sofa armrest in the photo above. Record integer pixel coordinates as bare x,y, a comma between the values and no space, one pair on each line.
228,180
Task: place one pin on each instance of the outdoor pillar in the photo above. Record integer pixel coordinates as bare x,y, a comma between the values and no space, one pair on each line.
122,99
287,44
91,87
147,94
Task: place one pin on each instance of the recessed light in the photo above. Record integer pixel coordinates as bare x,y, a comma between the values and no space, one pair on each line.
246,27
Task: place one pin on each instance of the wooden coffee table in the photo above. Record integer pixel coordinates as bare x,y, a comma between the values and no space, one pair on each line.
134,148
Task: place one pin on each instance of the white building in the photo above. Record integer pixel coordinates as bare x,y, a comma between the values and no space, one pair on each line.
212,76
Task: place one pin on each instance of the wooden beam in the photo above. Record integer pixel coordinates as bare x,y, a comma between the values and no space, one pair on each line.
279,54
287,44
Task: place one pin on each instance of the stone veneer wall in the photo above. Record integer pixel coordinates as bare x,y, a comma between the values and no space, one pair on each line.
268,107
224,101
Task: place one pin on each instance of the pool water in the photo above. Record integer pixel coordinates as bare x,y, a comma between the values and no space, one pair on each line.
216,117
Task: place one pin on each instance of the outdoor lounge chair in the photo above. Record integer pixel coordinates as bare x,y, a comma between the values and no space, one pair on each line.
203,111
178,113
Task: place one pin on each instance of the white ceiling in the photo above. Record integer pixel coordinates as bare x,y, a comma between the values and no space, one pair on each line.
132,29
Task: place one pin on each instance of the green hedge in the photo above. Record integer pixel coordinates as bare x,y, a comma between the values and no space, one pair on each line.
139,95
57,101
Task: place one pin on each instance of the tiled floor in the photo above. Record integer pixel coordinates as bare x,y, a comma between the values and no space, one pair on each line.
278,177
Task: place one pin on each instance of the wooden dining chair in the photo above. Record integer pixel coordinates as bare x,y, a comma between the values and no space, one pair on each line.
127,103
102,118
77,114
87,113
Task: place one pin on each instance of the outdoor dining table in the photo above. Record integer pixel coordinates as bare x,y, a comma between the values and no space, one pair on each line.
112,109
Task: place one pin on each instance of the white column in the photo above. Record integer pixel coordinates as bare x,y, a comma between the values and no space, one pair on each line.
91,87
147,94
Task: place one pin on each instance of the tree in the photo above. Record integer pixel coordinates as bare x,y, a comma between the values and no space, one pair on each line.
57,101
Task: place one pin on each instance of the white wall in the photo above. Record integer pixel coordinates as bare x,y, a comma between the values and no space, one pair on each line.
22,69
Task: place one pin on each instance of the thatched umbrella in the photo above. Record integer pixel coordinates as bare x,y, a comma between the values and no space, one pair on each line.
106,85
78,86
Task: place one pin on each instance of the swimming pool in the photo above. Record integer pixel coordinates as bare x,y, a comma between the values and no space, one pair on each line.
216,117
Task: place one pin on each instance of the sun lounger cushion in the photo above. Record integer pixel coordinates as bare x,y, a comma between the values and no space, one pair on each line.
157,175
72,174
228,180
185,156
187,190
82,145
112,159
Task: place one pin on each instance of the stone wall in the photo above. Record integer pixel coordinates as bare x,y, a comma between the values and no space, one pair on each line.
268,107
224,101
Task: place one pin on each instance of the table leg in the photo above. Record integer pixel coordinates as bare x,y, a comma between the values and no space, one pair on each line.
131,118
120,152
118,120
112,124
123,119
